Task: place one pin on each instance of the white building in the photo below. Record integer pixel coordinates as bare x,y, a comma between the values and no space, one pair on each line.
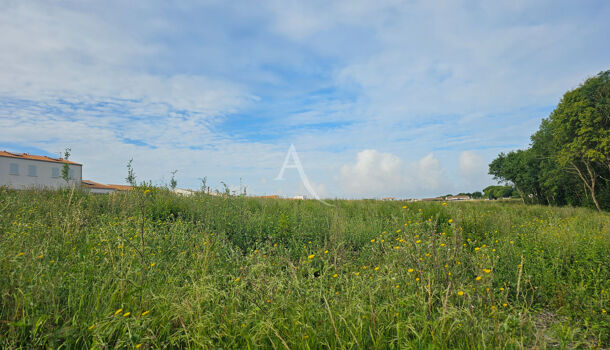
96,187
22,170
183,191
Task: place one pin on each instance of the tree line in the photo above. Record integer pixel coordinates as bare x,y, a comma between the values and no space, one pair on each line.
568,161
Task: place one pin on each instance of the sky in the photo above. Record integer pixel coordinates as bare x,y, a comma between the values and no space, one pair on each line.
379,98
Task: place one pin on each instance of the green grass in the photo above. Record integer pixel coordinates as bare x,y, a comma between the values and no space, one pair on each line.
80,271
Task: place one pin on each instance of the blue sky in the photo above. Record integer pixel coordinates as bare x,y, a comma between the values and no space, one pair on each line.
380,98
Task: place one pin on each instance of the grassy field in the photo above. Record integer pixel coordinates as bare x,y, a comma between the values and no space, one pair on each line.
150,269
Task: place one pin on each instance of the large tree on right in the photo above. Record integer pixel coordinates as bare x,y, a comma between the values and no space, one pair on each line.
580,126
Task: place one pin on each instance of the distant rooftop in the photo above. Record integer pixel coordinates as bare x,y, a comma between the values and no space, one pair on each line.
35,157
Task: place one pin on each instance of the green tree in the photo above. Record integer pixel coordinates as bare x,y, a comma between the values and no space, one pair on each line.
65,170
568,162
172,182
131,175
581,131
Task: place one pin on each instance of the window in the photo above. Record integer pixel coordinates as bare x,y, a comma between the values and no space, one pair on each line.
14,169
71,174
55,172
31,170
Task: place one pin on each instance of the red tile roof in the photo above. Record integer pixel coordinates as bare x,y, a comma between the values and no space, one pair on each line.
93,184
34,157
120,187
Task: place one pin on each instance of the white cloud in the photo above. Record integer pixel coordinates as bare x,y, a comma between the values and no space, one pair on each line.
375,173
473,170
50,53
389,75
471,164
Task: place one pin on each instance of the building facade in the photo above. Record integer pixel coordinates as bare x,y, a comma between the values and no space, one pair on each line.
23,171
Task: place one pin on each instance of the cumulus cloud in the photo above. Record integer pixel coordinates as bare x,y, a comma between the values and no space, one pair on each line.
375,173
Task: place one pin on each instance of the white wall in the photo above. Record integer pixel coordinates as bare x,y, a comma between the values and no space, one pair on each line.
43,178
100,190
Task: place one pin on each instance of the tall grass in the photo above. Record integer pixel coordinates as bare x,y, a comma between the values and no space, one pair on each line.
150,269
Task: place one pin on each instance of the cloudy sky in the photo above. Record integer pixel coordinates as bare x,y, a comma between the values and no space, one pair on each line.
379,98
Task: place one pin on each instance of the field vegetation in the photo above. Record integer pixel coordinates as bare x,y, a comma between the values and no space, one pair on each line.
150,269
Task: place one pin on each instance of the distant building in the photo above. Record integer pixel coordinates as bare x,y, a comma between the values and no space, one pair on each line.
120,188
275,196
97,188
457,198
388,199
183,191
23,171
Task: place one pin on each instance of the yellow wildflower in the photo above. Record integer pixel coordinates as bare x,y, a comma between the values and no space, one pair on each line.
373,240
91,327
326,252
478,278
450,220
126,314
237,279
460,293
145,312
118,311
487,270
410,270
311,256
139,346
335,275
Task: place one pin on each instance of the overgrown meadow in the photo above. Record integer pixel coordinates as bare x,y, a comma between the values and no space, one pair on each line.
149,269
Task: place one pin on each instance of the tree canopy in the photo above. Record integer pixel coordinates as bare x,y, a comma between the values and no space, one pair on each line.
568,161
